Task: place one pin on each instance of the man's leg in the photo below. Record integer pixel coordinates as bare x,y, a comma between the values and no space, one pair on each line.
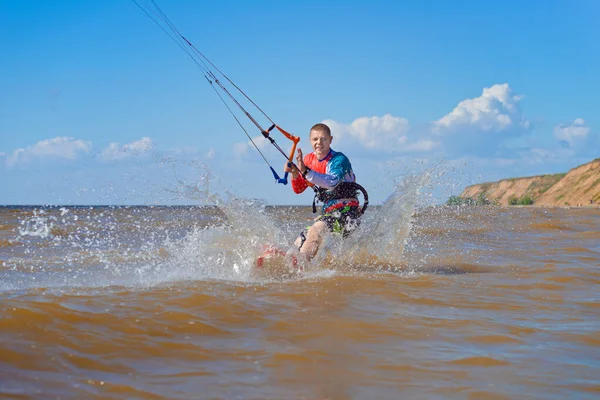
314,237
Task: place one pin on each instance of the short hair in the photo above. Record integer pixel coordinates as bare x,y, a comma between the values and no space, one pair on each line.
321,128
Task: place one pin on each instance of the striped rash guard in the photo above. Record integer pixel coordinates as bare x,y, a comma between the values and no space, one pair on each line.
327,174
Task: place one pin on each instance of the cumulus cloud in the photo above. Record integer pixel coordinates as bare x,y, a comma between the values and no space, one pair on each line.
420,145
490,125
371,132
477,126
63,148
115,151
481,125
497,109
386,133
573,133
241,148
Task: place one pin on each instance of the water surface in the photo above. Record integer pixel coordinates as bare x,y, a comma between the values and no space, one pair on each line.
430,303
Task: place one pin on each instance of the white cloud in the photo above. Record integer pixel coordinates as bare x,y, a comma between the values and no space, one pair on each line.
382,134
371,132
497,109
490,126
572,133
211,153
484,125
421,145
115,151
241,148
65,148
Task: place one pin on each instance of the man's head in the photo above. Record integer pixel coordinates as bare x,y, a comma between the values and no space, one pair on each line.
320,140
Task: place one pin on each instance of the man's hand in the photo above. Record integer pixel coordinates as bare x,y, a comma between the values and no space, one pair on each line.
300,160
289,167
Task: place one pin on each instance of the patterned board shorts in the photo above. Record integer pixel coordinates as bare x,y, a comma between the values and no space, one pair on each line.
342,221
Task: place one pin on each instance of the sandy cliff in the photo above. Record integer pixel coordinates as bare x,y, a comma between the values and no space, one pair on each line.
580,186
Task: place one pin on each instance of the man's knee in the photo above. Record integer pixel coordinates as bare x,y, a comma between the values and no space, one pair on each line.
316,230
313,239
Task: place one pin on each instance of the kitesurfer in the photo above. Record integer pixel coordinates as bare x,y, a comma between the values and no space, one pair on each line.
332,173
327,172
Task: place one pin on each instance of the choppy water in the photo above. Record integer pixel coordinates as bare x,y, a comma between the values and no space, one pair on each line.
437,303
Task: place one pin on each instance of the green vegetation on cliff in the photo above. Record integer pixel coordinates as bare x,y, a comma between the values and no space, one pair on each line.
481,200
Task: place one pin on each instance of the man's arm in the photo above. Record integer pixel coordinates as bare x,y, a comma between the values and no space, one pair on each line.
299,184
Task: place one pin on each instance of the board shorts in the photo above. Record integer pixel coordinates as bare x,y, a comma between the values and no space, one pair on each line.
341,221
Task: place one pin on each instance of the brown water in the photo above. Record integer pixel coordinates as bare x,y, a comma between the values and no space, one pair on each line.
158,303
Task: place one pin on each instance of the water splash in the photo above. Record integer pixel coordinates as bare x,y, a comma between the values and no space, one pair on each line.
198,189
141,246
227,251
383,240
39,225
380,240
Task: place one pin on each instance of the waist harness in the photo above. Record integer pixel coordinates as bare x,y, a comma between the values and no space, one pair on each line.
343,190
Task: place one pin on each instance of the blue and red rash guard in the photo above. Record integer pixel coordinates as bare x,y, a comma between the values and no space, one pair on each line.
327,174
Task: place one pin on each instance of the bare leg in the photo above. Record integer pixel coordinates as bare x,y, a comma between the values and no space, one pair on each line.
314,237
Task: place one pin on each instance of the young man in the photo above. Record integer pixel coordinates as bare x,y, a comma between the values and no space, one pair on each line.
330,171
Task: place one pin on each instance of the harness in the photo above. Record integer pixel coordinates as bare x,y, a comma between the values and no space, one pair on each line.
343,190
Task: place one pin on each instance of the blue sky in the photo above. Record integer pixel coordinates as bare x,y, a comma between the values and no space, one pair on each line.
99,106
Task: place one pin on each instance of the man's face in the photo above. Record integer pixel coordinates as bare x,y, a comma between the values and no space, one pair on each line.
320,142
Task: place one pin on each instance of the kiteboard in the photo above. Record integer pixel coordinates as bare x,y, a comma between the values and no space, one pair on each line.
274,262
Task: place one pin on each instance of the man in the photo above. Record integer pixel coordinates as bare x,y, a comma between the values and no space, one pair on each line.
331,172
